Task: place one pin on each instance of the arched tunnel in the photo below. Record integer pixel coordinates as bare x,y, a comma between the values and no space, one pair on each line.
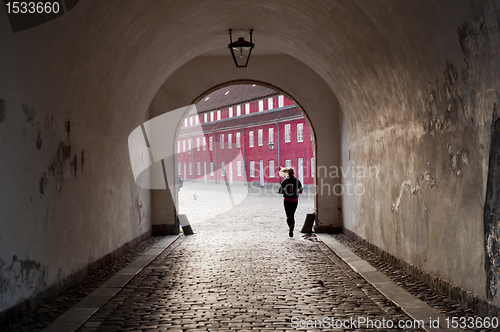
410,88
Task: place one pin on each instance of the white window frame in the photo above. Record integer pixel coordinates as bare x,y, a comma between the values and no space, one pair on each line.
189,144
219,114
211,143
261,105
238,168
211,116
251,142
271,169
204,143
288,163
238,140
288,134
229,141
197,144
270,135
300,132
223,169
183,145
270,104
260,137
312,167
247,108
190,120
252,169
222,141
281,101
190,168
205,117
197,118
238,110
185,122
230,112
179,172
211,168
199,168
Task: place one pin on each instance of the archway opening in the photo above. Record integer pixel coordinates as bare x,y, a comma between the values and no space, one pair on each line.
231,148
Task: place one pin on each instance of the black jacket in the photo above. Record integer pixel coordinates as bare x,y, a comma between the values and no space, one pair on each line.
290,188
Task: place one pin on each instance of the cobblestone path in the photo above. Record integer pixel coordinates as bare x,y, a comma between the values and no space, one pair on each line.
241,271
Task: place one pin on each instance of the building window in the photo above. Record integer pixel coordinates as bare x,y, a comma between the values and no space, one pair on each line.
183,145
230,112
185,122
281,101
229,141
204,143
211,143
238,168
247,108
312,167
178,146
190,168
288,137
197,144
300,132
270,104
211,116
271,168
260,139
205,117
189,145
252,169
250,139
238,140
222,141
222,169
238,110
288,163
211,168
191,121
261,105
199,168
197,119
179,170
218,115
271,135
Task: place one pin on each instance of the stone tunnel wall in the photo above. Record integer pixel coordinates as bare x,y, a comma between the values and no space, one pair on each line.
68,200
437,164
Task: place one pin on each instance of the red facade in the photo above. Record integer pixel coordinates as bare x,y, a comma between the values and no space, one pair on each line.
253,161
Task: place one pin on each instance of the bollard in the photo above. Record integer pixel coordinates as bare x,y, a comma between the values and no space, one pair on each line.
309,223
186,227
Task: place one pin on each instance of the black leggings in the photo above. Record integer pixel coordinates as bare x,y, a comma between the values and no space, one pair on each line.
290,208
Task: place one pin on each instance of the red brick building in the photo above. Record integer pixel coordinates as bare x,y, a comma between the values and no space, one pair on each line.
242,134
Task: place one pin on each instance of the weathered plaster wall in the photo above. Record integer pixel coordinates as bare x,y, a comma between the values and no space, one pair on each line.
432,147
67,194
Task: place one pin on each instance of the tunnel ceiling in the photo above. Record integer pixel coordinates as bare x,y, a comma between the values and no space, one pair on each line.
363,50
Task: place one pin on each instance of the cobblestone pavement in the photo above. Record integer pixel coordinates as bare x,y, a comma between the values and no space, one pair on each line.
241,271
431,296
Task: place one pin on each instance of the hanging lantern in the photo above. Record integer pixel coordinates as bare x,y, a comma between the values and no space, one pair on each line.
240,49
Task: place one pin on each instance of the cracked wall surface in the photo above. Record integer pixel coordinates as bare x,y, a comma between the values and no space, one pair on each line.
434,163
